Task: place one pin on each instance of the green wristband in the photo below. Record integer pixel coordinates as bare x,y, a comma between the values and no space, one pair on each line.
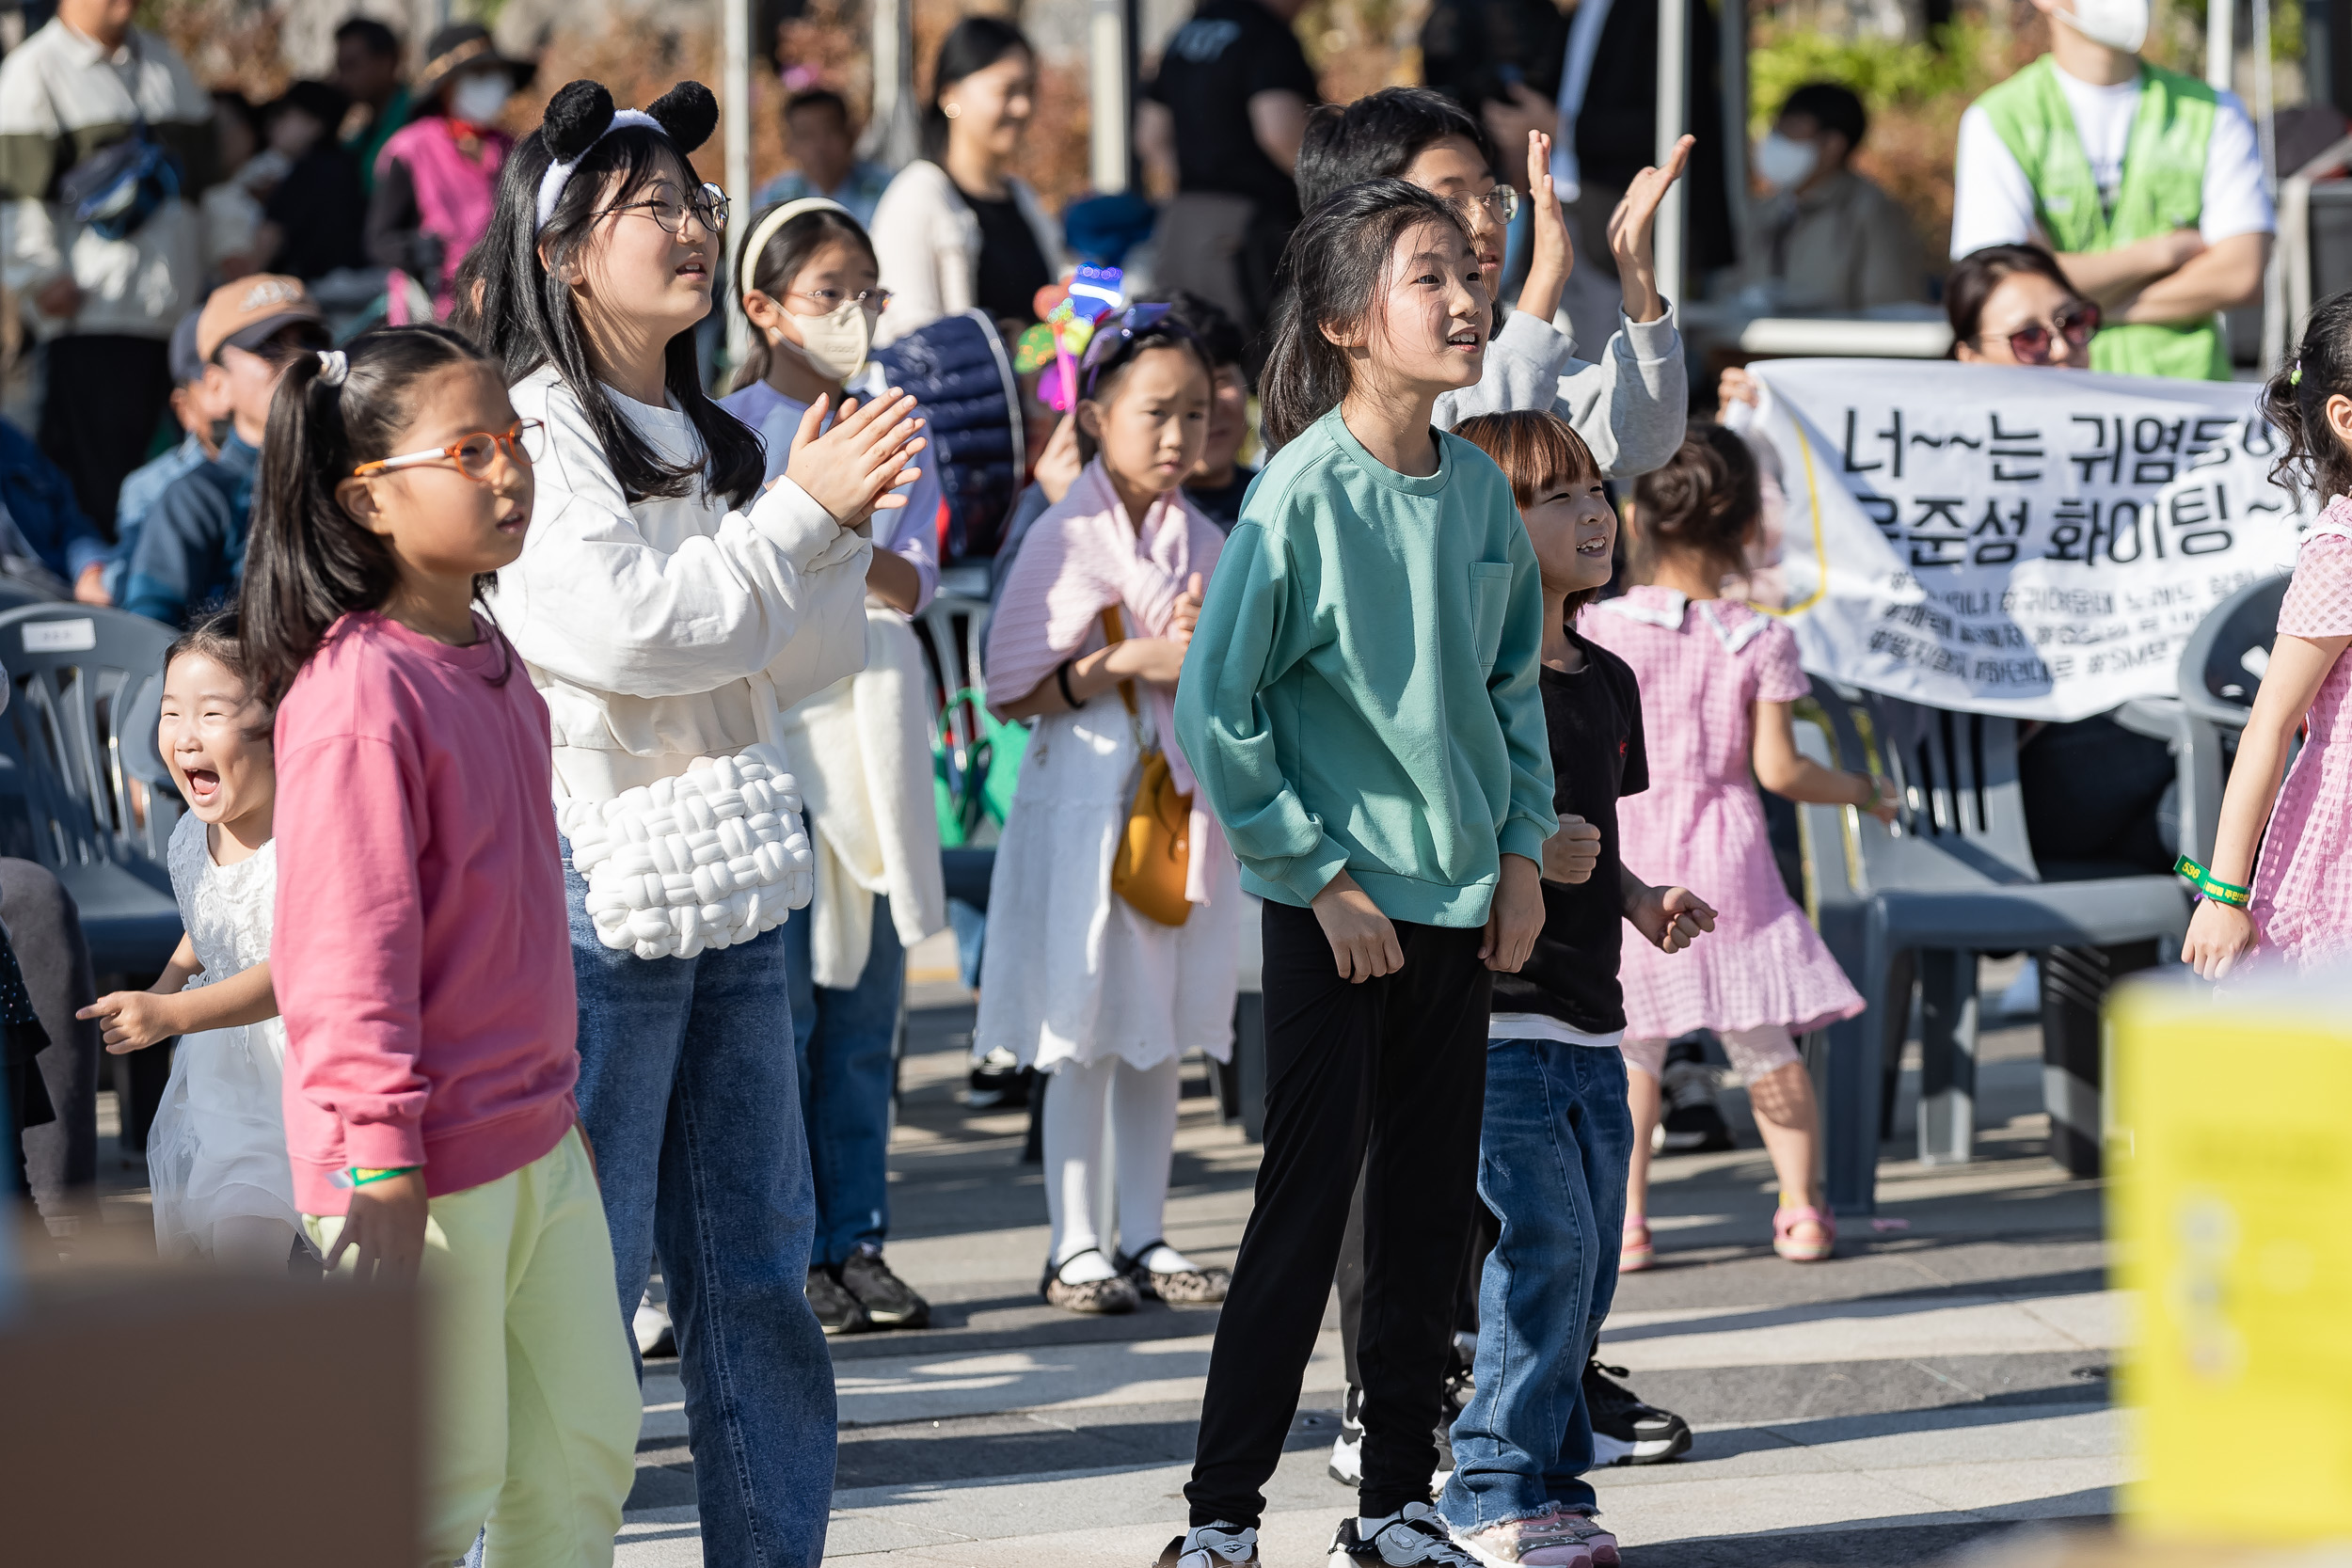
2212,886
368,1177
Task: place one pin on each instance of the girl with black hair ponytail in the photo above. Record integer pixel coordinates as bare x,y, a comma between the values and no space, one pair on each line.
2295,902
671,610
420,949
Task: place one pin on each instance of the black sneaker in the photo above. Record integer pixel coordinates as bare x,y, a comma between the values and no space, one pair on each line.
1625,1430
837,1311
1694,1123
888,1300
1415,1536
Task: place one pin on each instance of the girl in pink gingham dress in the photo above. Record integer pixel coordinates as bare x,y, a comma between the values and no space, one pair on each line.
1717,678
2302,910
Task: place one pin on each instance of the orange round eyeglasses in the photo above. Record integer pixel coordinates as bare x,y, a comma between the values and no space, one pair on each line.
525,442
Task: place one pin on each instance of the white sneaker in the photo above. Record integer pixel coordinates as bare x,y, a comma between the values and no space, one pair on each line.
652,1328
1218,1546
1409,1537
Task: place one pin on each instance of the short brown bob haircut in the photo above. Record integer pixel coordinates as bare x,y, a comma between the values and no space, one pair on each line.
1536,450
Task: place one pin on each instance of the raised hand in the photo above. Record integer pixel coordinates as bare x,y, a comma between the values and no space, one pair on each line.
859,464
1554,255
1633,232
1060,465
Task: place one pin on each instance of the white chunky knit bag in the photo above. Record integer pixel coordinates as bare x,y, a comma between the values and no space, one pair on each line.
706,859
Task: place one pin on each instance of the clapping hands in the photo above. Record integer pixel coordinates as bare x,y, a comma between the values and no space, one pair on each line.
862,463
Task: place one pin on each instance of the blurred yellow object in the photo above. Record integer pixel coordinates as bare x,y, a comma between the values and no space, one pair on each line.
2231,1204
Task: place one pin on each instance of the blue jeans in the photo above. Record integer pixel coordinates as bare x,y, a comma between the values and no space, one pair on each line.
1551,1165
688,1092
843,1042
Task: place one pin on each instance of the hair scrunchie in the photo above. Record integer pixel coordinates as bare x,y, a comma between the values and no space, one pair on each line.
334,367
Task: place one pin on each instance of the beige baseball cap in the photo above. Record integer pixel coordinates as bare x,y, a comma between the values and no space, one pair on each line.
246,312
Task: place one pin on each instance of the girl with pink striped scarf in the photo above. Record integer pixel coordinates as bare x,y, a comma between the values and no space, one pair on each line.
1075,981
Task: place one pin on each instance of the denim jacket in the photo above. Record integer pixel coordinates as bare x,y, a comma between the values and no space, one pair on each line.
40,501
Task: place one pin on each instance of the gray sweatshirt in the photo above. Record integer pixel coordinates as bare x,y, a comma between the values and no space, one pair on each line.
1631,408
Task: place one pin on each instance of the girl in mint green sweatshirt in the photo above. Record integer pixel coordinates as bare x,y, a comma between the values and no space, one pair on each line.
1361,707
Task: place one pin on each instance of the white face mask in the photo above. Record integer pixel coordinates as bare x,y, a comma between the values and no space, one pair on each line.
836,344
481,98
1786,164
2118,23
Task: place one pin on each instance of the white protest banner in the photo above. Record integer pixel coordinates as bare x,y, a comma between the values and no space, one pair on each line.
2003,540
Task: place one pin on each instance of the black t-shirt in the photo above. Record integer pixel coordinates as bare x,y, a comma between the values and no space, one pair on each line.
1215,64
1012,269
1593,718
1222,506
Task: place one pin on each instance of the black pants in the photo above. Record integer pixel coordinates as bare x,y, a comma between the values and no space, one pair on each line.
107,394
1388,1078
60,1156
1485,1230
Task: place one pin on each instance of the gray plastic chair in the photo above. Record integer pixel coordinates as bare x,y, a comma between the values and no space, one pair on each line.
1954,878
77,674
2220,670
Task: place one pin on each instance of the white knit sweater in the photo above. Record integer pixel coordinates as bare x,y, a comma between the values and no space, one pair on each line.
674,627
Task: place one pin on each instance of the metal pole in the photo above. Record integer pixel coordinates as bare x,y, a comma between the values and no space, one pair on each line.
1733,53
1108,87
1674,93
2275,324
894,129
735,112
2220,44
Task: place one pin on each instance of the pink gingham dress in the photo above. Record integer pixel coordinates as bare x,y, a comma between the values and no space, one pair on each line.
1703,668
2302,902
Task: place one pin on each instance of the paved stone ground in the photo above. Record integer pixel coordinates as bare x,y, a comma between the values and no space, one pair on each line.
1932,1387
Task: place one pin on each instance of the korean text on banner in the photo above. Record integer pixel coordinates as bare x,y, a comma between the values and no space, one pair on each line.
2001,540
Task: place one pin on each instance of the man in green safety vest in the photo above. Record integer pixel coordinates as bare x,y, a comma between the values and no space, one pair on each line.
2145,182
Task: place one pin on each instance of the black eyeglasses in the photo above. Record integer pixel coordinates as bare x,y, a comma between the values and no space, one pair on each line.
1113,333
708,204
2032,342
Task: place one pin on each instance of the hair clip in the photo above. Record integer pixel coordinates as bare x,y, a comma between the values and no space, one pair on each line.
334,365
2296,377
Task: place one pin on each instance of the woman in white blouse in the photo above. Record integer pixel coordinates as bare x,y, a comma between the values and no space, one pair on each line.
957,230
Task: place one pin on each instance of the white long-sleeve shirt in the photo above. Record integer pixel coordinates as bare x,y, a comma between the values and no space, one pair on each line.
676,627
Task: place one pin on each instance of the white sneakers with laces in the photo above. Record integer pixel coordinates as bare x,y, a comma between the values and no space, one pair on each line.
1217,1546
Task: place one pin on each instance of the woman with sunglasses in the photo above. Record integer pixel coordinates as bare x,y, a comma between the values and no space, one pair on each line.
1077,980
671,610
2012,305
810,289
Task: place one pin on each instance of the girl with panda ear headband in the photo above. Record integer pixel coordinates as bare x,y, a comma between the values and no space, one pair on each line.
670,610
808,284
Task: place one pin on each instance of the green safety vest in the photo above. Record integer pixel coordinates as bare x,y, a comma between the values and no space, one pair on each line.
2164,189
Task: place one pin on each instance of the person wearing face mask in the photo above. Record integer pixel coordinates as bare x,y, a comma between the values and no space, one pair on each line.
437,177
957,230
1834,239
861,749
2145,182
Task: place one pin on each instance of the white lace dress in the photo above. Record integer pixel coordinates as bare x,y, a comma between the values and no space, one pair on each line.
217,1149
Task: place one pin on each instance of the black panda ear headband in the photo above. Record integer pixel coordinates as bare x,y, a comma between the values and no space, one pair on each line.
583,114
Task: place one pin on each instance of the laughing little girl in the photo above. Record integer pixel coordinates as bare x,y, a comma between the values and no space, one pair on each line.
216,1154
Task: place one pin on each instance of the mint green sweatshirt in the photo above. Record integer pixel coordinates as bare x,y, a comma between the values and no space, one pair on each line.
1361,689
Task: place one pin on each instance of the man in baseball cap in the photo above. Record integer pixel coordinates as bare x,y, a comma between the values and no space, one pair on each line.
190,553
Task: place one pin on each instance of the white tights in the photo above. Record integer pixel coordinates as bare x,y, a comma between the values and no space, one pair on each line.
1139,1106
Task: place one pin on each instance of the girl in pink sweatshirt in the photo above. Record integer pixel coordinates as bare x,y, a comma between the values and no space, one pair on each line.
422,956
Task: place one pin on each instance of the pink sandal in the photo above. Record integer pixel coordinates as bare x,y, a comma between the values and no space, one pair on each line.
1785,1242
1634,1253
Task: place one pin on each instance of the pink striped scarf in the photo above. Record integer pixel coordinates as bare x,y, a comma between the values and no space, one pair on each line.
1080,558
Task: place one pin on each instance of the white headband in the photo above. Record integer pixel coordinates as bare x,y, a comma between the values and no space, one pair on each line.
765,229
552,183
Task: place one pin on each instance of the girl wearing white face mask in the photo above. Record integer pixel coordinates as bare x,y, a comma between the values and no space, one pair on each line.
436,178
861,751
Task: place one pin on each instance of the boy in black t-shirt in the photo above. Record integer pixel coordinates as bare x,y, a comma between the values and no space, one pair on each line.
1556,1137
